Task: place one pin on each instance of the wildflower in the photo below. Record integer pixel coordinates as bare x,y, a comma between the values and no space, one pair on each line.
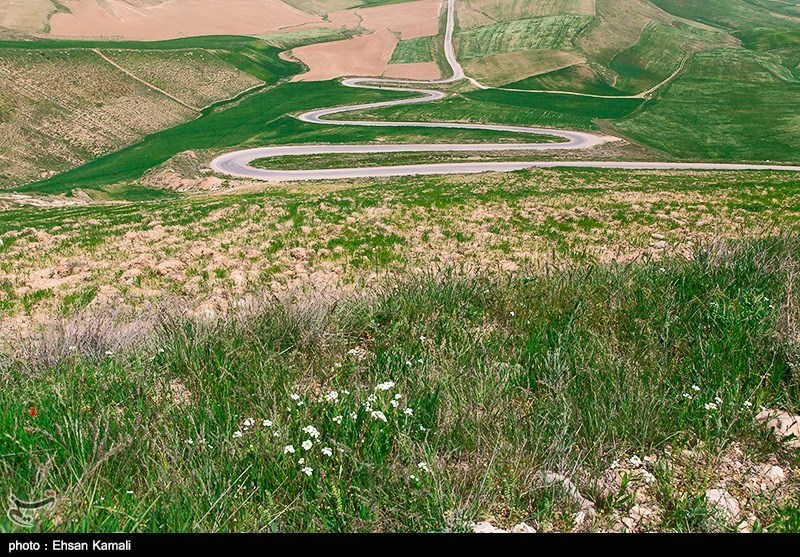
408,412
372,398
345,391
717,400
276,433
237,434
354,415
648,477
307,471
327,451
129,492
189,442
32,411
385,386
423,428
267,423
711,406
423,466
687,396
307,444
294,396
249,422
398,396
695,388
337,419
408,363
423,338
332,396
300,403
748,404
378,415
615,465
301,461
394,404
511,313
414,478
109,353
635,461
312,431
73,348
288,449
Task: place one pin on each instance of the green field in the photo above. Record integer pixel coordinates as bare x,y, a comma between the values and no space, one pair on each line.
416,50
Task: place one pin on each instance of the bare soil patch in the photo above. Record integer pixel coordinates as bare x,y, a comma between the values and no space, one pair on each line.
367,55
176,18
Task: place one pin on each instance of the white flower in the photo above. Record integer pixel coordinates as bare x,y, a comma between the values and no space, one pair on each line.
332,396
635,461
237,434
73,348
385,386
648,477
307,444
696,388
615,464
312,431
345,391
408,363
189,442
294,396
267,423
748,404
288,449
398,396
408,412
249,422
337,419
717,400
711,406
372,398
327,451
109,353
423,466
394,404
301,461
413,477
378,415
307,471
354,415
511,313
687,395
276,433
300,403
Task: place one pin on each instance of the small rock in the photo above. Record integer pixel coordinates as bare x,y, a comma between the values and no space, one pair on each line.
487,528
523,528
721,499
657,236
771,477
784,426
661,244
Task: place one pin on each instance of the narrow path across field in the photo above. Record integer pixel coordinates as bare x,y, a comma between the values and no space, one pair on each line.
237,163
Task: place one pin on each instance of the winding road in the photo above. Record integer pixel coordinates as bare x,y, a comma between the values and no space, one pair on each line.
237,163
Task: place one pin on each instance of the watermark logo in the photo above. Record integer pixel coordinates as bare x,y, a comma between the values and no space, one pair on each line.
24,513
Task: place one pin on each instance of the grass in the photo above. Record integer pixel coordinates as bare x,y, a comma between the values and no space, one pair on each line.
546,32
506,378
728,105
416,50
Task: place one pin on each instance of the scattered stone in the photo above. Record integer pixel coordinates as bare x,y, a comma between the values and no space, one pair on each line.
771,477
657,236
487,528
724,501
784,426
571,489
661,244
523,528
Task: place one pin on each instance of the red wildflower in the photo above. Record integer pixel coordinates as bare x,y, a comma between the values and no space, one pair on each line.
32,412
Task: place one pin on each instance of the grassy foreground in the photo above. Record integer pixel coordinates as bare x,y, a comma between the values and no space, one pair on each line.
425,405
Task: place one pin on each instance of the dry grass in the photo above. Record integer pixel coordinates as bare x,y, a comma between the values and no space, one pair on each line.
508,67
64,108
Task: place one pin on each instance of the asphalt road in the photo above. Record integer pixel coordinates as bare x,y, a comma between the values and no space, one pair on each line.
237,163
